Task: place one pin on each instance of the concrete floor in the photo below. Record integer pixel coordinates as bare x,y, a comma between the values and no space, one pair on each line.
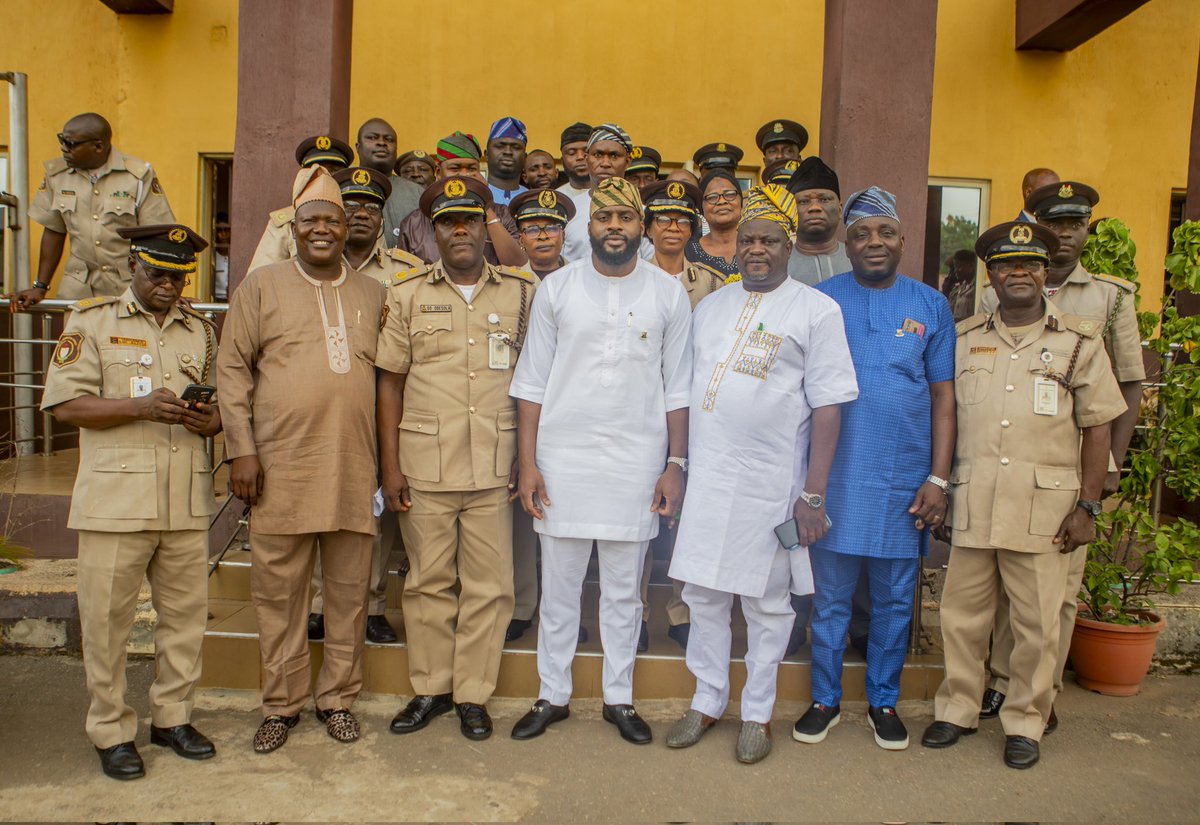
1112,760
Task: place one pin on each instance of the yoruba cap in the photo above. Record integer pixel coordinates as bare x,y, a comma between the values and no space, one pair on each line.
314,183
781,131
171,246
416,154
1017,239
542,203
359,182
576,133
459,145
613,132
324,149
771,202
871,202
644,158
1063,199
780,171
456,195
508,127
813,173
615,192
717,155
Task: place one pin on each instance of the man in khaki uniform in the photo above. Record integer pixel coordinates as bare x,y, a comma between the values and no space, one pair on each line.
278,242
447,444
1065,208
298,385
364,193
144,495
88,194
1035,396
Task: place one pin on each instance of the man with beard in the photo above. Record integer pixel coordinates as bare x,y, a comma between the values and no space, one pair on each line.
88,194
506,159
818,255
376,147
772,370
608,149
540,171
602,440
643,166
574,148
418,166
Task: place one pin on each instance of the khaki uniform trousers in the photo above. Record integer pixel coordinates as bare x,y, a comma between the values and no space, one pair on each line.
677,609
525,555
111,569
975,578
386,542
280,570
455,639
1002,638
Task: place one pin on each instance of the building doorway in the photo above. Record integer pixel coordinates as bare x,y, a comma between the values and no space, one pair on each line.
216,179
956,215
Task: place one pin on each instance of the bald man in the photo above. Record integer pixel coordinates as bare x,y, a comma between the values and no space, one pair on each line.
376,148
88,194
1034,179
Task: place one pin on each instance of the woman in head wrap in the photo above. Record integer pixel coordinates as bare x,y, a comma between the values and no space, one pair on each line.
722,209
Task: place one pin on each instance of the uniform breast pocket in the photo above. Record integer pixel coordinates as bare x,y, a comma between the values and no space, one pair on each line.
119,365
420,451
1056,489
203,502
973,378
431,337
643,338
65,203
119,211
129,479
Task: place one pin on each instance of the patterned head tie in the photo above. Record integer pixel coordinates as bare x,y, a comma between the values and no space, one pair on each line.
613,132
615,192
871,202
771,203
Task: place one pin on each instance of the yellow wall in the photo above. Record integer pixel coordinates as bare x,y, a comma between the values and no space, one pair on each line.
1115,112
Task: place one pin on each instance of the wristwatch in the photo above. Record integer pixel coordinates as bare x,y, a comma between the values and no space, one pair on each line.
40,285
681,463
939,482
1092,507
813,500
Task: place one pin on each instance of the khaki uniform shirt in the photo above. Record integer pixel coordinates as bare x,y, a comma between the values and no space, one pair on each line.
1016,472
143,475
700,281
312,428
276,243
459,426
1108,300
89,206
385,264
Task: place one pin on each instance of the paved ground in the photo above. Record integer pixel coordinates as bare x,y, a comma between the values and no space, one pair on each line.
1113,760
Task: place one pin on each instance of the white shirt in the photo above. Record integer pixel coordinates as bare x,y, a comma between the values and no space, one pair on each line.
607,358
762,362
576,244
220,276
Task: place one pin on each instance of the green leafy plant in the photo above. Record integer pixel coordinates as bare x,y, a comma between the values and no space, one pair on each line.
1136,555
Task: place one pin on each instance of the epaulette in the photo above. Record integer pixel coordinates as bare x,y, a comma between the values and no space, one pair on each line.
974,322
195,313
404,257
136,167
515,272
409,274
282,217
53,167
1121,283
1087,327
720,278
92,303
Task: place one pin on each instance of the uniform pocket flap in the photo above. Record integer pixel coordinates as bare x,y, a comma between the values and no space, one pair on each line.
960,474
507,420
1056,478
1058,361
431,323
419,422
118,206
65,203
124,460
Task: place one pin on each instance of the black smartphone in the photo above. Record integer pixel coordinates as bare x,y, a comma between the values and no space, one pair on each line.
789,534
198,394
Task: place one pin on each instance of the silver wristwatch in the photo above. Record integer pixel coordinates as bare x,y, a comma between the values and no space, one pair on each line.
813,500
939,482
681,463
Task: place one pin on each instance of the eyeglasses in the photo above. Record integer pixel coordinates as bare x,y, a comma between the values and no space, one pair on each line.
159,276
1009,267
730,195
550,230
70,145
682,221
370,208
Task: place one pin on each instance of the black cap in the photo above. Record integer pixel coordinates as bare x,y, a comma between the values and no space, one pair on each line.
542,203
170,246
781,131
576,133
642,158
672,196
324,149
780,171
813,173
416,154
456,195
717,155
1016,239
1063,199
360,182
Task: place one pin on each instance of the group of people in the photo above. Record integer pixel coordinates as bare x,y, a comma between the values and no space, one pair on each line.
590,368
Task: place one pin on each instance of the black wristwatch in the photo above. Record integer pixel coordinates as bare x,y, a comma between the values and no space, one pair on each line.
1092,507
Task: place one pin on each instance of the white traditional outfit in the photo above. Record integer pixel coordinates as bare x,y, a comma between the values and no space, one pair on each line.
607,358
762,362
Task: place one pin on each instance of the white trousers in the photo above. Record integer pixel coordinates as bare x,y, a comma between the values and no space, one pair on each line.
768,626
564,565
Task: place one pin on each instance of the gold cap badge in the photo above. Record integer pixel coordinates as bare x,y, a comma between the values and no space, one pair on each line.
1021,234
547,200
418,153
361,177
720,147
455,189
778,127
675,190
636,153
177,235
1066,191
324,142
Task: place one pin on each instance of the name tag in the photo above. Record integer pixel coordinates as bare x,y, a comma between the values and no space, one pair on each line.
499,353
140,386
435,308
128,342
1045,396
983,350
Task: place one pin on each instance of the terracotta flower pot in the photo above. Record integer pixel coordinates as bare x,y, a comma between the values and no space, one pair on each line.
1113,659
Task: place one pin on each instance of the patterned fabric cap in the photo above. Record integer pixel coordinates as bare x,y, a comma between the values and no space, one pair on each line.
314,183
871,202
508,127
459,145
611,131
615,192
771,203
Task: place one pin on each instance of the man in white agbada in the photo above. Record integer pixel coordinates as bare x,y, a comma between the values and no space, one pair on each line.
602,392
608,149
771,367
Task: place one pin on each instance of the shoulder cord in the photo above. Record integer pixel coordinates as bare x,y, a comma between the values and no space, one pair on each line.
1112,316
209,335
1065,380
523,319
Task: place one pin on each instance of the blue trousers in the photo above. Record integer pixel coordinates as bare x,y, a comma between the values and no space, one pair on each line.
892,584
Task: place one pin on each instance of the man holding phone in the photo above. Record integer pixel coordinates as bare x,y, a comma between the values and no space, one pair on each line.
771,371
144,494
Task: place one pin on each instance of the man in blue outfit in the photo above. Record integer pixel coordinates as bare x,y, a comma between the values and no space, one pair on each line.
888,481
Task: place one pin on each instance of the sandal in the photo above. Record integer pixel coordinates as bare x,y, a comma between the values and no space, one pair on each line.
339,724
273,732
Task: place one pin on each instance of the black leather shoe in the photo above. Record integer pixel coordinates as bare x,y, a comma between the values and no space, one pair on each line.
184,740
121,761
516,629
379,631
680,633
418,713
1020,752
316,626
541,716
944,734
474,721
1051,723
644,639
992,701
632,727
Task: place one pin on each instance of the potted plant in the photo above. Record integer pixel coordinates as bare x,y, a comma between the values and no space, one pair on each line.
1136,554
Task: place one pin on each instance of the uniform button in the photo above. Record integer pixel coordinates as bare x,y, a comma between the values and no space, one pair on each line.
470,375
160,343
1009,388
1004,461
471,307
97,243
418,426
174,449
166,375
429,326
1014,356
122,466
95,217
1004,423
970,369
471,341
95,191
471,410
1058,484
